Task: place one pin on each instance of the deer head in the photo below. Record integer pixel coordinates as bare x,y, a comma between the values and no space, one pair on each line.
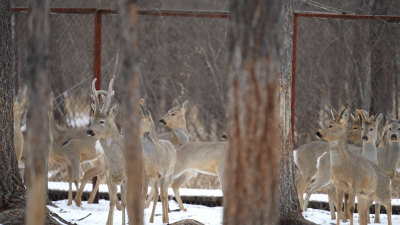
392,128
369,127
146,124
354,131
336,127
103,121
175,117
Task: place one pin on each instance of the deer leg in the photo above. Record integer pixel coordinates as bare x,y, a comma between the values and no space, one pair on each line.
69,169
362,207
86,177
164,198
179,182
155,199
112,189
123,201
331,200
149,198
388,207
350,209
339,200
346,209
377,218
145,187
100,178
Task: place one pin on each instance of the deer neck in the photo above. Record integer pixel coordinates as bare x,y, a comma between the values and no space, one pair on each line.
179,136
369,152
338,151
391,153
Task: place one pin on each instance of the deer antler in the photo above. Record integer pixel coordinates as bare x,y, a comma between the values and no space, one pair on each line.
109,94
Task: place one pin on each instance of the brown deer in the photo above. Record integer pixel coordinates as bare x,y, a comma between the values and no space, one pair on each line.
70,147
104,129
18,136
159,157
310,178
354,174
175,118
388,154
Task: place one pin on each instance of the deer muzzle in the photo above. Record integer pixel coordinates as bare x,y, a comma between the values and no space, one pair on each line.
162,121
319,134
364,138
393,137
90,132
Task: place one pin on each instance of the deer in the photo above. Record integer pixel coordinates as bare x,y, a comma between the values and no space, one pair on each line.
103,128
389,153
159,158
175,118
70,147
354,174
18,136
311,179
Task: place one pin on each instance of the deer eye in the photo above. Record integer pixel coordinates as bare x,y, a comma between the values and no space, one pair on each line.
102,122
173,114
390,128
398,129
354,128
330,126
371,129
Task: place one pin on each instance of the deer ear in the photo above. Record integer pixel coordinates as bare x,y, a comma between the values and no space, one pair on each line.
389,117
379,118
334,114
114,110
185,105
344,116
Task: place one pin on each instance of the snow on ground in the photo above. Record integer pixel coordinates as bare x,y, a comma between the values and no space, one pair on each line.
208,215
99,213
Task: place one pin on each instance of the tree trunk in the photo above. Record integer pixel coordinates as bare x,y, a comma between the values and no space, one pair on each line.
251,179
289,206
129,81
11,186
37,119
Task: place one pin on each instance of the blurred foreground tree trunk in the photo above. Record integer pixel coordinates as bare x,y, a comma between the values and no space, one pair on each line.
129,80
251,171
289,206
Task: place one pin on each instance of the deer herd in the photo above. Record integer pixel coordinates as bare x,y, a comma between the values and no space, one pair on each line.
354,159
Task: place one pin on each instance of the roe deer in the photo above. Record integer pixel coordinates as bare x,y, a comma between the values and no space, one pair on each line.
18,136
354,174
388,155
71,147
159,157
306,156
104,129
175,118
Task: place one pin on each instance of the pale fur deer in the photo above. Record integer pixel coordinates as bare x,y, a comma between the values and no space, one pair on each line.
175,118
18,136
104,129
310,179
204,157
354,174
159,157
388,154
70,147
